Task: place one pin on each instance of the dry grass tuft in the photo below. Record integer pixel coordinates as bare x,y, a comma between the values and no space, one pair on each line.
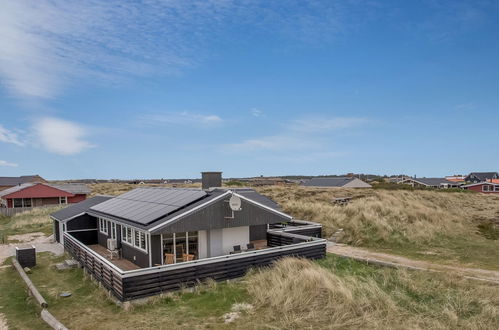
385,215
301,294
36,216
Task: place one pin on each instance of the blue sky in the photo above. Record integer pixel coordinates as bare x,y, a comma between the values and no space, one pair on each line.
128,89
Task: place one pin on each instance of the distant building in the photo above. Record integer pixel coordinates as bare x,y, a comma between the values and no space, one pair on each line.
484,187
476,177
42,194
456,178
340,182
11,181
439,183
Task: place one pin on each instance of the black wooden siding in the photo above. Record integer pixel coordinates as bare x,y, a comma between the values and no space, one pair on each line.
82,222
170,280
129,287
138,257
214,217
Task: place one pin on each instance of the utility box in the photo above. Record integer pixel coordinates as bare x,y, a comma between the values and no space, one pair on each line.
26,256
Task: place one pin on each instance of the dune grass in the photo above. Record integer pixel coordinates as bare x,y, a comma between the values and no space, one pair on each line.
35,220
450,227
332,293
340,294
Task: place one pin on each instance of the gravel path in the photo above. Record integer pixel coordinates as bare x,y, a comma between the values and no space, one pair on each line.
398,261
41,242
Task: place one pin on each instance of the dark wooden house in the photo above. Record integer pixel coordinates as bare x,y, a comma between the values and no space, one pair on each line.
198,233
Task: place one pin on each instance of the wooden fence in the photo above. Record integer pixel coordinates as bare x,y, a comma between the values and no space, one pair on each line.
8,212
134,284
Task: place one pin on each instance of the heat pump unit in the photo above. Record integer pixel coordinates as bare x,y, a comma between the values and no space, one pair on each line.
111,244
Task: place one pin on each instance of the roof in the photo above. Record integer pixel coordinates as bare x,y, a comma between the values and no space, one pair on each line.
329,182
481,184
432,181
145,205
79,208
72,188
17,180
483,176
134,207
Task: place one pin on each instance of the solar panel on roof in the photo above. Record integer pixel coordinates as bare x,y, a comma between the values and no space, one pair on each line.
144,205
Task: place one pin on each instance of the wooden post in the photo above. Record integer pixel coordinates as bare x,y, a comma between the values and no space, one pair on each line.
51,320
31,286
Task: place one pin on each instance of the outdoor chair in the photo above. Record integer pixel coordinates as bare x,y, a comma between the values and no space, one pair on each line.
187,257
169,258
237,249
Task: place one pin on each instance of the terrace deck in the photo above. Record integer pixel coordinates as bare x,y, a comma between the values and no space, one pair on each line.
121,263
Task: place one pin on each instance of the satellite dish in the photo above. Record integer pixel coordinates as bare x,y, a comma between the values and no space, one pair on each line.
235,203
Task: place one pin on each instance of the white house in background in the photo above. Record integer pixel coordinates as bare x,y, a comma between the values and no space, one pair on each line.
439,183
340,182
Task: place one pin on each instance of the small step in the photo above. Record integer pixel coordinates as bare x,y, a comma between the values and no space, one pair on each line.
71,263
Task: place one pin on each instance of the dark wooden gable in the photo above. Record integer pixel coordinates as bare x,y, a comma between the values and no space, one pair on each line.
214,216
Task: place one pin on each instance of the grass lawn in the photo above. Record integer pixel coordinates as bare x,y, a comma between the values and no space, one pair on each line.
330,293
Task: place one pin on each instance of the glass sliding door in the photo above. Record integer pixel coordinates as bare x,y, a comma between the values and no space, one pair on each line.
180,247
168,249
192,238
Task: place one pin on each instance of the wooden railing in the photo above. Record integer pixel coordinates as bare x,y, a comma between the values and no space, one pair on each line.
101,269
134,284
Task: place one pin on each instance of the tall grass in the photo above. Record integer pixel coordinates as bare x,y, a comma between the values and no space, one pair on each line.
301,294
381,216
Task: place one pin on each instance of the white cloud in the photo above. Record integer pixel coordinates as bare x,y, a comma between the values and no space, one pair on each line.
6,163
272,143
60,136
325,124
256,112
9,136
47,45
181,118
307,134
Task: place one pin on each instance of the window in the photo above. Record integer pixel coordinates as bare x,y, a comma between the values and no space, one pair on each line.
21,202
179,244
486,187
63,200
142,240
129,235
134,237
103,226
497,188
113,230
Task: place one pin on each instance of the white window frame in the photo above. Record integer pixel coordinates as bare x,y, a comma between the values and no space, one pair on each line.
486,190
128,237
22,202
113,230
103,228
63,198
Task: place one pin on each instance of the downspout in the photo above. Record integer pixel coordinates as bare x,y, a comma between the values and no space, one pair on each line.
150,251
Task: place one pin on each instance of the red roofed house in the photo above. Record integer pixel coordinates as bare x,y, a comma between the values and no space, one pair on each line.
41,194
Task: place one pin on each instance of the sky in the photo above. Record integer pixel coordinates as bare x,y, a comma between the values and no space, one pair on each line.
167,89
